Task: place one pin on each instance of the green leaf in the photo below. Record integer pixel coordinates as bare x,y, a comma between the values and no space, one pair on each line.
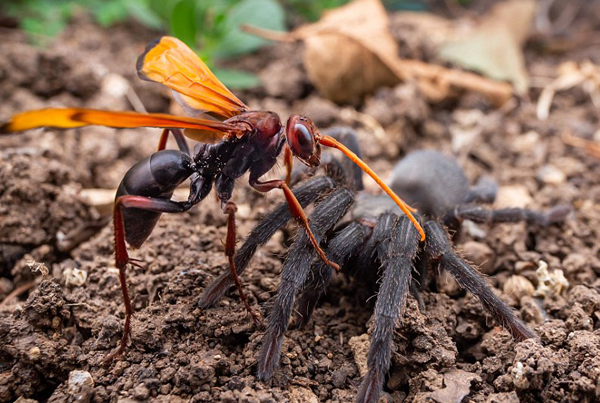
183,21
48,27
260,13
162,8
140,10
109,13
237,79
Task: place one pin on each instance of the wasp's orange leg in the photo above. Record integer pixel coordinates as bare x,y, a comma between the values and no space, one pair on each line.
179,138
121,255
230,209
288,159
297,211
406,209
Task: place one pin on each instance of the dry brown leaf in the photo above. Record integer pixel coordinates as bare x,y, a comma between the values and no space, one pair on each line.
350,52
493,46
343,49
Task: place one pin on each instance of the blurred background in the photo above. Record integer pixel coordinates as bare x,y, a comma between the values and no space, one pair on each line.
213,28
511,89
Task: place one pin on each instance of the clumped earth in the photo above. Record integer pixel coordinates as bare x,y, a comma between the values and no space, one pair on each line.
451,352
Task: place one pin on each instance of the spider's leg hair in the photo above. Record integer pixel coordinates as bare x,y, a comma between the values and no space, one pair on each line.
306,193
396,254
416,293
439,248
420,273
481,214
484,191
294,274
343,245
362,265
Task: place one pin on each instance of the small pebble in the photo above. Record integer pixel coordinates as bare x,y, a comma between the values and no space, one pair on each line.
517,287
244,211
532,310
80,386
324,363
447,284
526,142
34,353
302,395
339,376
360,348
522,266
74,277
141,392
164,389
479,254
550,175
115,85
550,283
513,196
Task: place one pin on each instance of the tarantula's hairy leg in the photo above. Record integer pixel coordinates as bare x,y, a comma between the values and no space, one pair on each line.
439,249
340,248
485,215
484,191
293,275
396,254
307,193
312,291
416,293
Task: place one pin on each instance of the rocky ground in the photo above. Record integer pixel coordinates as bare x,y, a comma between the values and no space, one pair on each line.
68,321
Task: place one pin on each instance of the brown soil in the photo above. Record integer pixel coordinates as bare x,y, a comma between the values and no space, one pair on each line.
451,352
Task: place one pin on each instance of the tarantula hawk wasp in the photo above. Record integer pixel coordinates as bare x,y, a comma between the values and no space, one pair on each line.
238,141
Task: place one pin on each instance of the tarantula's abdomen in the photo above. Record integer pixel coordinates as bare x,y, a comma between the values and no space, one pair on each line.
430,182
370,207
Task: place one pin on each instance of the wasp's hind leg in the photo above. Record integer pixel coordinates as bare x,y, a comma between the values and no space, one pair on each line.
230,209
148,204
306,193
179,138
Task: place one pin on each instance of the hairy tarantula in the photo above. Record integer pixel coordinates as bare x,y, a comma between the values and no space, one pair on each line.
378,235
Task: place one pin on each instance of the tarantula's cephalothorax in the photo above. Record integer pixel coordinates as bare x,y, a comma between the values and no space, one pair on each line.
379,236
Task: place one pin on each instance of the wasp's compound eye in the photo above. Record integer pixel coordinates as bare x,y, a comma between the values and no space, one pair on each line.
302,142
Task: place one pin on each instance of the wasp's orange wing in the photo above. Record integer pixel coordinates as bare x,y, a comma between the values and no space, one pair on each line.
75,117
170,62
